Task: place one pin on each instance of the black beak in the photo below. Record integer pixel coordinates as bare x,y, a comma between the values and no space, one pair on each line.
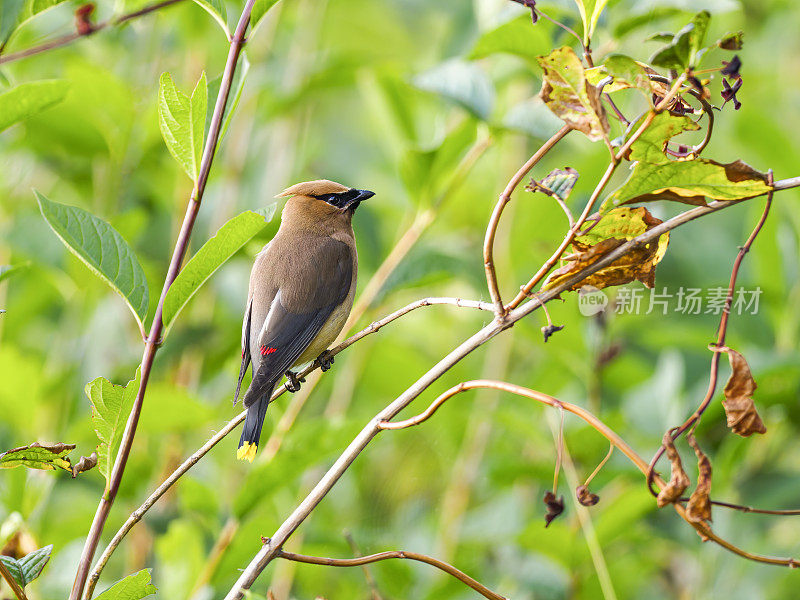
364,195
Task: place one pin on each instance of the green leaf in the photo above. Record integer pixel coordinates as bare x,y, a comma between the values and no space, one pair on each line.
47,457
27,99
182,121
558,183
214,253
102,249
629,72
216,8
10,11
689,182
570,96
260,9
14,568
624,26
14,13
111,405
242,67
32,564
686,46
464,83
518,36
590,13
133,587
651,144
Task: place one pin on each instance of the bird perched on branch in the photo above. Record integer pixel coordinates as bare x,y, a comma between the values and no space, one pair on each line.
301,292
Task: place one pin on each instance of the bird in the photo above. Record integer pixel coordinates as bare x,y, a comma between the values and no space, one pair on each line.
301,292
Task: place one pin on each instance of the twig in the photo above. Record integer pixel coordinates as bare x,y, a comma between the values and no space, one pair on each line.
357,562
702,527
721,332
373,586
12,583
137,515
268,552
600,466
71,37
494,221
661,106
154,339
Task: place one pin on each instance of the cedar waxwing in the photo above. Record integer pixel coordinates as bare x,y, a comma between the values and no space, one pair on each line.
301,292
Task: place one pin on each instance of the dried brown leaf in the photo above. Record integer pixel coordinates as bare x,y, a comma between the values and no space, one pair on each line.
699,507
613,229
555,506
740,409
678,481
585,497
84,464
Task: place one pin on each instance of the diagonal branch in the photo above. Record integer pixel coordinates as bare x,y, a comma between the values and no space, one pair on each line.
154,339
363,560
71,37
137,515
494,220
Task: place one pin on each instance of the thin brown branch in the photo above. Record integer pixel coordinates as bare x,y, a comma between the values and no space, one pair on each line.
573,231
137,515
429,560
721,333
702,528
268,552
71,37
154,339
12,583
494,221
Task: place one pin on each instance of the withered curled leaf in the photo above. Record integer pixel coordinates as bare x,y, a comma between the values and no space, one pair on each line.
559,182
585,497
740,409
84,464
549,330
678,481
602,236
555,506
570,96
699,507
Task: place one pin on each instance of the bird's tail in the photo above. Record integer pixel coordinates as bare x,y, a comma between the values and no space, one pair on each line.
251,432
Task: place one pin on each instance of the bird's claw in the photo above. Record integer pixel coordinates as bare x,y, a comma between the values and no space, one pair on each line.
325,360
293,383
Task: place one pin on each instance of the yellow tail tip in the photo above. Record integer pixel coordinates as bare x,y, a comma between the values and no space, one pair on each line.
247,451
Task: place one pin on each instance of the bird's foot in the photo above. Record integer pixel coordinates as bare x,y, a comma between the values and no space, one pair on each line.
325,360
293,383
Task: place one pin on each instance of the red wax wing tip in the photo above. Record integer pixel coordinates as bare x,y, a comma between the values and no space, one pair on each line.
265,350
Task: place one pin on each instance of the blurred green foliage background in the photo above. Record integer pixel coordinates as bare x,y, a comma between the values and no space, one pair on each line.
392,96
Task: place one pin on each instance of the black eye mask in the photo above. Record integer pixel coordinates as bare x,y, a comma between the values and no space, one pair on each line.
349,199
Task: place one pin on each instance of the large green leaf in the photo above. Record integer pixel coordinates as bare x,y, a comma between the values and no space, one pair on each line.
27,99
102,249
462,82
133,587
182,121
690,182
518,37
111,405
570,96
47,457
212,255
242,67
216,8
260,9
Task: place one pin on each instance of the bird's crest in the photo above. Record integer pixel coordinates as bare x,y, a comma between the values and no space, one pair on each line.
317,187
